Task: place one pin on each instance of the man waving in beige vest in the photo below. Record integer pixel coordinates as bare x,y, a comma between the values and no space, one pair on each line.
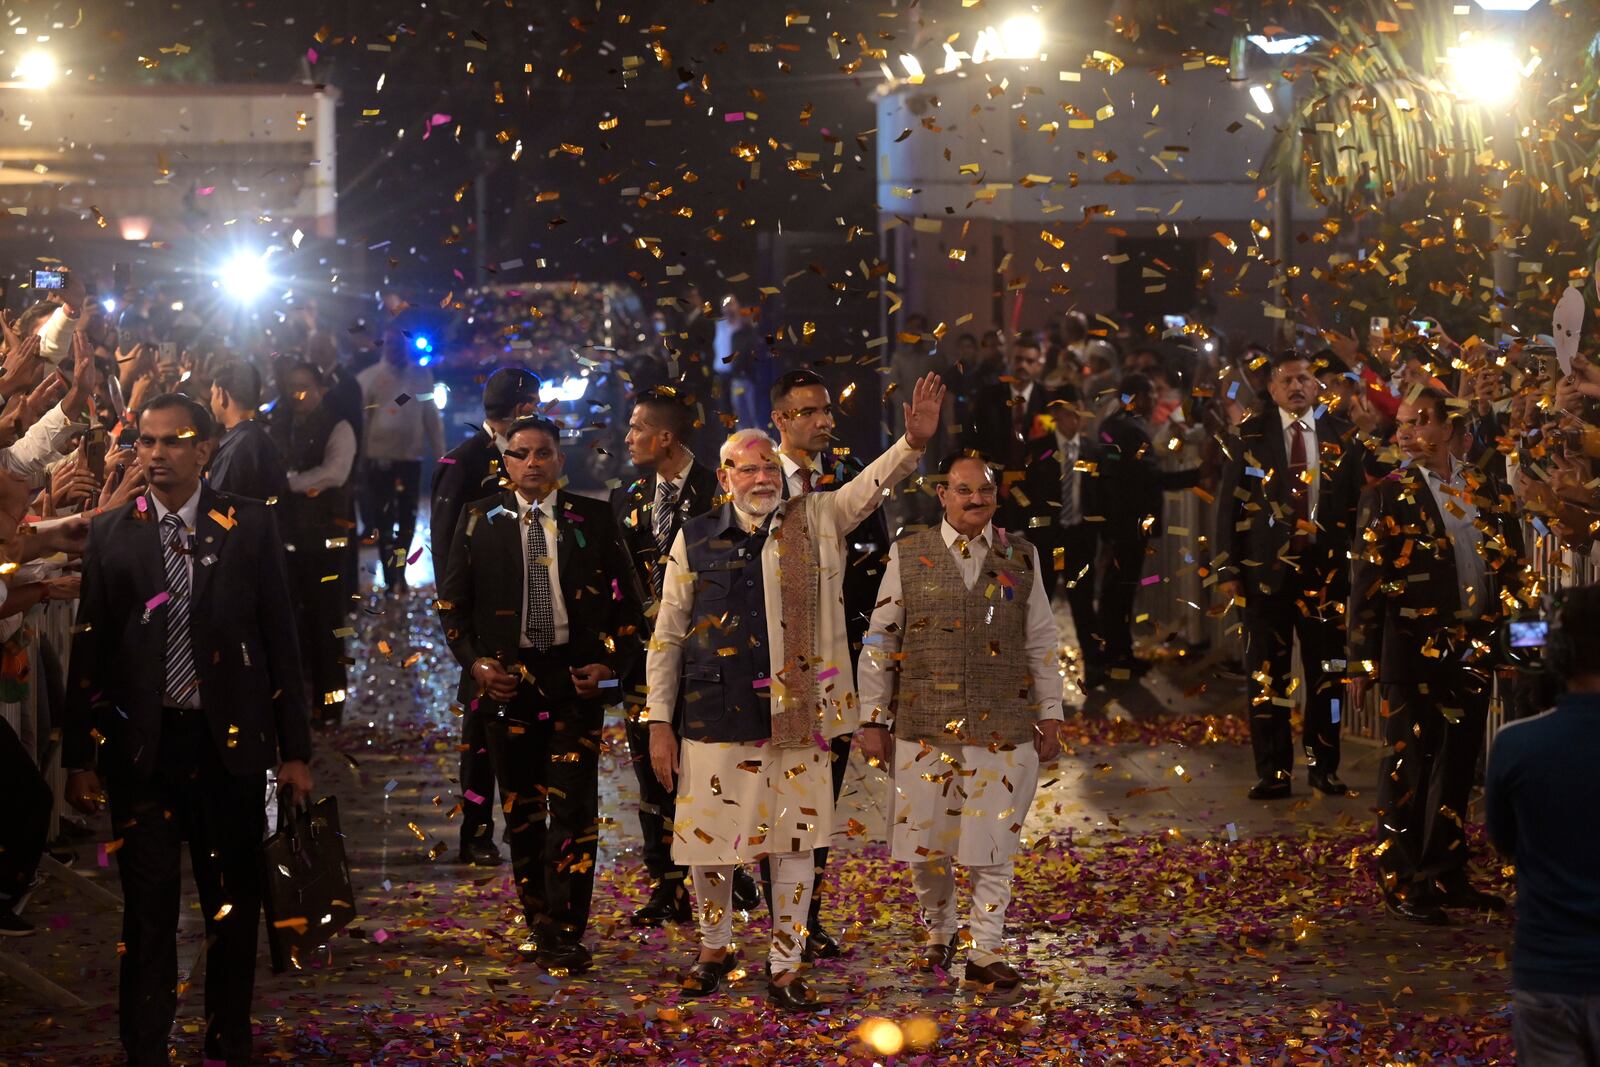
962,725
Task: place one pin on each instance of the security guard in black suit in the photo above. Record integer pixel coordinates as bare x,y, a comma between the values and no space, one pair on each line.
673,488
468,472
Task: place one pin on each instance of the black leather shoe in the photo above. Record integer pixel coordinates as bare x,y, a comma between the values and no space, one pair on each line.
820,945
999,974
566,959
1329,784
936,955
1425,911
746,896
1469,897
668,903
480,852
1270,789
704,979
796,996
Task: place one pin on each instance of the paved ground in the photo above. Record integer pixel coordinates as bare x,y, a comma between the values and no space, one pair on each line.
1161,918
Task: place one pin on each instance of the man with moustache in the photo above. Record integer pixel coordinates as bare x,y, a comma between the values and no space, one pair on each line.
540,606
471,471
751,623
947,712
673,488
1285,508
184,690
1440,554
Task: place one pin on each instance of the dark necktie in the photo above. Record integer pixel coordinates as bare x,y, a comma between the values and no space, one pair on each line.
181,679
540,615
1299,491
806,476
1071,506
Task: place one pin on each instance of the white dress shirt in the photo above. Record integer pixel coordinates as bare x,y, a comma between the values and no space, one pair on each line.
188,514
337,458
880,649
32,453
1313,453
677,481
558,603
1454,499
791,474
831,516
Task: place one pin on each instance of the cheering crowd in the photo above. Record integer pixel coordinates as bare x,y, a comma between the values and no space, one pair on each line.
1393,506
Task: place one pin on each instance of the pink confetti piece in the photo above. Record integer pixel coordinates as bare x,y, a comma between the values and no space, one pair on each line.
446,459
142,503
156,601
380,936
415,555
474,798
733,116
761,683
1150,579
829,673
102,857
311,56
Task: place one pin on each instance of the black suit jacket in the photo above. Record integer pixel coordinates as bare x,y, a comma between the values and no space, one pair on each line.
470,471
1131,479
866,548
1039,504
1254,517
988,427
633,506
247,463
1406,595
480,595
241,623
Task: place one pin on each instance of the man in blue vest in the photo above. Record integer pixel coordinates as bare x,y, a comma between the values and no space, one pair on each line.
751,624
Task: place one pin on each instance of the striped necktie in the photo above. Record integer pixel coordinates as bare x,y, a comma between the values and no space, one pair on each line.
665,512
540,616
181,678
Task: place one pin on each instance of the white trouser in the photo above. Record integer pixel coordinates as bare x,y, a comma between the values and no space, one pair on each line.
792,874
935,882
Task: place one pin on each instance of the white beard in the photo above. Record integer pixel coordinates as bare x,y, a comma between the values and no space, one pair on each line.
759,507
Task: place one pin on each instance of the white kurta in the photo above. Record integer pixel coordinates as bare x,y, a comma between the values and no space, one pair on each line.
737,802
967,802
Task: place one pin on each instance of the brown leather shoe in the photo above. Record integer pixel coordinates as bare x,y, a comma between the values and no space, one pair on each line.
999,974
936,955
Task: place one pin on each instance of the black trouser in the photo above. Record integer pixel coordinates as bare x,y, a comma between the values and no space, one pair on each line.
841,763
657,807
1117,591
317,587
477,776
545,747
190,796
25,798
1556,1029
1426,779
1079,544
1271,624
389,489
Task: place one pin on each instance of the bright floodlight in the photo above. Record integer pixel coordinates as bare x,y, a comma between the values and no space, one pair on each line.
1021,37
1262,97
245,277
36,70
1508,5
1484,70
1282,45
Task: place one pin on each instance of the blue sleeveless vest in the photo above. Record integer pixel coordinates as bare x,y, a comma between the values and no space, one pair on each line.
727,664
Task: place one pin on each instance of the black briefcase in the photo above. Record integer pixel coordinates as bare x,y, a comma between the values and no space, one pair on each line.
306,890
